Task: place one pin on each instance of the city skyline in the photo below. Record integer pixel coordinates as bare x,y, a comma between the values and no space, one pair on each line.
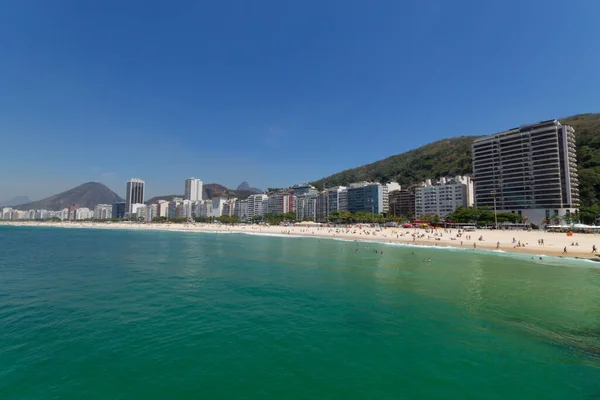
88,98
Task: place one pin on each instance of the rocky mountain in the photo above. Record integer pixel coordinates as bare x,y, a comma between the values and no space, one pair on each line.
87,195
15,201
245,187
453,156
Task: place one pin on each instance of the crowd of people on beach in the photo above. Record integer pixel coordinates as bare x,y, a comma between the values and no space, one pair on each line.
416,236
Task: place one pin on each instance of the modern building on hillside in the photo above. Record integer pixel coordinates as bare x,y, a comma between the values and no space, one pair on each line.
134,194
444,196
530,170
193,189
304,189
366,197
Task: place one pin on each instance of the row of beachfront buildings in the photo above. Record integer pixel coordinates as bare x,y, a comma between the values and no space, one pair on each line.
530,170
303,200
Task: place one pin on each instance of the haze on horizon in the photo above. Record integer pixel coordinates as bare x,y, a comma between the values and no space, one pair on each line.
273,93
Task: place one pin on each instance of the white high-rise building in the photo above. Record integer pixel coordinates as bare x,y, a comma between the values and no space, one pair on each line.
134,194
162,209
306,207
193,189
229,208
7,213
443,197
103,211
83,213
241,209
256,205
218,203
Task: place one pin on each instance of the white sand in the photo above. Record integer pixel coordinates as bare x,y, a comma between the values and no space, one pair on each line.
554,243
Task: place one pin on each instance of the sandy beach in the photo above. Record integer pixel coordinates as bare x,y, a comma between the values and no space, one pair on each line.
533,242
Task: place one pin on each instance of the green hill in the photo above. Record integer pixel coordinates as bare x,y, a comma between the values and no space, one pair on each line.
453,156
442,158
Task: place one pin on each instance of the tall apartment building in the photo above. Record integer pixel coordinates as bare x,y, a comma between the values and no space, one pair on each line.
162,208
103,211
322,210
366,197
256,205
387,188
218,203
134,194
7,213
444,196
306,207
530,170
241,209
304,189
193,189
337,199
280,203
229,207
118,210
202,208
402,202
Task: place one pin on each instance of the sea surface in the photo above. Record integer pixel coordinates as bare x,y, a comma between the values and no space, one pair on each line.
116,314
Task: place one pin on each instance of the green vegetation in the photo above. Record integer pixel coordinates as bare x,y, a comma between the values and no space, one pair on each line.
481,216
435,160
453,156
587,138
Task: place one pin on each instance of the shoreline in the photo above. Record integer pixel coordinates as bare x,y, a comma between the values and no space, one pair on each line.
553,243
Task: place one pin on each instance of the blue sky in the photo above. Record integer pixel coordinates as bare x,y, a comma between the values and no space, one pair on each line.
273,92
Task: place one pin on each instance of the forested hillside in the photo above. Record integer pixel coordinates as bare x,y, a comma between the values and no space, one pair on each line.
453,156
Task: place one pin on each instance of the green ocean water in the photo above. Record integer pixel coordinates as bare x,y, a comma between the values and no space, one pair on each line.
107,314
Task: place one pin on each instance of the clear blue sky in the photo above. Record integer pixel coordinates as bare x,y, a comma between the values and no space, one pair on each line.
273,92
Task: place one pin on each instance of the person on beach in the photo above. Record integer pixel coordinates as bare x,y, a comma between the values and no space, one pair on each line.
497,245
594,249
565,250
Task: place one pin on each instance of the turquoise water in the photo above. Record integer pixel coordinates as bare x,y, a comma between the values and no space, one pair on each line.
101,314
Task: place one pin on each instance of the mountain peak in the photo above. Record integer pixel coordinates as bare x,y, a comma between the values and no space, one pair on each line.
244,186
86,195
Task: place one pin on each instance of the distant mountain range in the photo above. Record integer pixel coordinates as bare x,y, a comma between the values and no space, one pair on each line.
452,156
15,201
87,195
